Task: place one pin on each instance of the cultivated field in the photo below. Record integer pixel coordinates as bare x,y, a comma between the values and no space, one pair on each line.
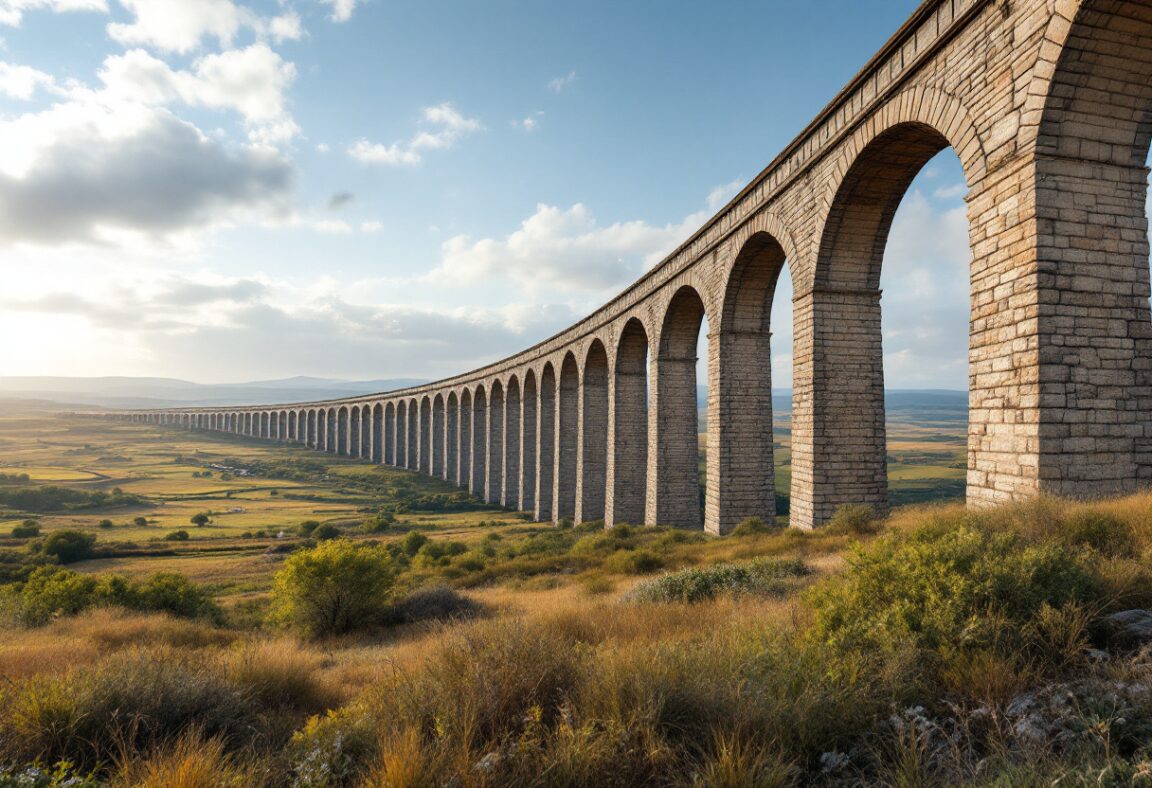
409,636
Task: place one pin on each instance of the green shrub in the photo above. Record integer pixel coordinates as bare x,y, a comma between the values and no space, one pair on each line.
333,588
140,521
753,526
324,532
307,527
763,577
105,524
170,592
436,603
200,519
413,542
854,518
1104,533
948,585
634,562
26,530
176,536
68,546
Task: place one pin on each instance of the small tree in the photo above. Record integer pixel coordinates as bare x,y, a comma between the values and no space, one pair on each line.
336,587
200,519
324,532
176,536
26,530
140,521
69,546
105,523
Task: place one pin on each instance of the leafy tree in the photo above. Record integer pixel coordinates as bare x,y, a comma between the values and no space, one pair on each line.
105,523
200,519
177,536
140,521
26,530
69,546
308,526
413,542
325,532
336,587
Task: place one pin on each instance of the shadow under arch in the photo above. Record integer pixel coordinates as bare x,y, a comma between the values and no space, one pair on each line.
628,454
741,480
567,435
839,432
511,491
592,459
436,442
528,442
494,463
479,441
546,441
452,438
674,497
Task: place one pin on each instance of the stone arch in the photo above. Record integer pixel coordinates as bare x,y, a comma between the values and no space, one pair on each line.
673,446
528,441
628,427
494,451
567,436
412,436
436,443
592,447
464,446
546,443
376,452
390,433
510,493
425,436
343,428
741,470
452,438
479,446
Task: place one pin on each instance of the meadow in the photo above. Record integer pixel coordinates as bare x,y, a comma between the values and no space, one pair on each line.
937,646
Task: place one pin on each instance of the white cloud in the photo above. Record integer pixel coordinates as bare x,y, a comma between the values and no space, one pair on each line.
12,11
109,173
446,124
333,226
371,227
559,84
323,147
252,81
563,252
719,196
286,27
530,123
179,25
341,9
21,82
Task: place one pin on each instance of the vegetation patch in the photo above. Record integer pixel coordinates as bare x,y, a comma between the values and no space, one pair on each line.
765,577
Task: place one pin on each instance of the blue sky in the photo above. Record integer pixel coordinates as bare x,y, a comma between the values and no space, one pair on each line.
224,190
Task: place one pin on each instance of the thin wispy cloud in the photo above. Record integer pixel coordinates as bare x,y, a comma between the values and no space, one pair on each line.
560,84
444,127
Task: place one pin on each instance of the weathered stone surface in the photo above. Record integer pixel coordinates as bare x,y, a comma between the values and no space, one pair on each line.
1045,103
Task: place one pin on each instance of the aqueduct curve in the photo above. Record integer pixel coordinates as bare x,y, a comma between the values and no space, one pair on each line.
1048,105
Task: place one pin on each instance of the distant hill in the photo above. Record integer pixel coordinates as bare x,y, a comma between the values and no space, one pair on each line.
911,404
129,392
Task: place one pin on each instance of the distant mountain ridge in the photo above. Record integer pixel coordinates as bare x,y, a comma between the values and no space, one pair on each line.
130,392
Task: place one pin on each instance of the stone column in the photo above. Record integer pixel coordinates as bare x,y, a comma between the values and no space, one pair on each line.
741,479
592,457
510,473
673,445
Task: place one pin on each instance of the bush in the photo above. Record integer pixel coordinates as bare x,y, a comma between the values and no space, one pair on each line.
26,530
753,526
69,546
1104,533
324,532
948,585
436,603
200,519
855,518
634,562
105,524
51,592
413,542
307,527
335,587
176,536
140,521
763,577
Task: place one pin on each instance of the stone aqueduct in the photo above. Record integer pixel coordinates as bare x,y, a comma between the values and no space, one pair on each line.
1048,104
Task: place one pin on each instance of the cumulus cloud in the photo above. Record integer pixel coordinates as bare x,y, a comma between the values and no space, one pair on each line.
252,81
444,127
22,82
530,123
563,251
341,9
80,172
12,11
560,84
179,25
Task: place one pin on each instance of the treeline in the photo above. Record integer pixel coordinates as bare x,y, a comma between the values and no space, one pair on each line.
56,499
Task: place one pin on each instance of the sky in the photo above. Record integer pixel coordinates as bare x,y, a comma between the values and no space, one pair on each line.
231,190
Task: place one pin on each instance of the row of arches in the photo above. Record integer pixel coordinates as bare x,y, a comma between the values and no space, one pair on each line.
603,421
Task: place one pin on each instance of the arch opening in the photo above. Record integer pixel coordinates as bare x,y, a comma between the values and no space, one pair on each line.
494,451
545,444
510,495
479,446
628,459
592,456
